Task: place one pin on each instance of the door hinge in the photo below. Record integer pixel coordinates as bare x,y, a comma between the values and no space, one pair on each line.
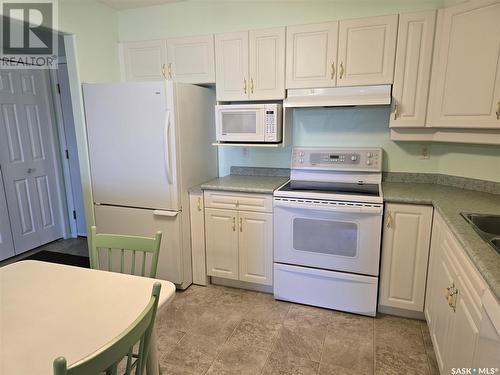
67,154
74,214
58,89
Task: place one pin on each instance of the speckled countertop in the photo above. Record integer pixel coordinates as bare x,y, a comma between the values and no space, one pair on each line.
450,202
246,184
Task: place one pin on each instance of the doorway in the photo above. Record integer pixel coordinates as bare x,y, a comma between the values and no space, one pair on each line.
40,185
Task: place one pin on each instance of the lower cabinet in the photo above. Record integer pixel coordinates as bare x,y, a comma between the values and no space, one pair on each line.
453,301
239,244
405,252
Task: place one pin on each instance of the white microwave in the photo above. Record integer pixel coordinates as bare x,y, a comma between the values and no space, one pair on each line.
248,122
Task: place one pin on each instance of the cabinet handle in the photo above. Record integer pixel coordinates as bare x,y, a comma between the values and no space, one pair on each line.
450,296
498,110
341,72
244,86
237,204
241,224
389,219
199,203
163,71
170,70
251,85
396,109
234,224
333,71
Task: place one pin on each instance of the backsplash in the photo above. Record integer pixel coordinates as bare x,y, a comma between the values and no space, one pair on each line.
368,127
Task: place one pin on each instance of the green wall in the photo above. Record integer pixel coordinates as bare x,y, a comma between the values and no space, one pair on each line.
361,126
95,27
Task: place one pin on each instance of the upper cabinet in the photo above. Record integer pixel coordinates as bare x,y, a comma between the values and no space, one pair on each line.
143,61
188,60
367,48
465,84
311,55
413,68
346,53
191,59
251,65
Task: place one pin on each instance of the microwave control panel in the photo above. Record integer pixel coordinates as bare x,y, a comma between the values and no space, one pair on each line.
272,120
362,159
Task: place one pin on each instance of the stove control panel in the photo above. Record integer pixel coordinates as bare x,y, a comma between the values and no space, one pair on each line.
347,159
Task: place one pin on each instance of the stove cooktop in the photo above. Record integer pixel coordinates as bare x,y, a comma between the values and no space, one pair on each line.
328,187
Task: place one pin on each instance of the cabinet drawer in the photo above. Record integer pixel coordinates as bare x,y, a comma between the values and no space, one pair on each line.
239,201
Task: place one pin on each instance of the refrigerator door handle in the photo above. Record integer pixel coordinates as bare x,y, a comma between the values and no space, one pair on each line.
165,213
166,134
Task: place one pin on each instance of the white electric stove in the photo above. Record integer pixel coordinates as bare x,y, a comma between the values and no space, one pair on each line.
327,229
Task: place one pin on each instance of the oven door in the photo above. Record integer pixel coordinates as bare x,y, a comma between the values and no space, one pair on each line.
240,123
329,235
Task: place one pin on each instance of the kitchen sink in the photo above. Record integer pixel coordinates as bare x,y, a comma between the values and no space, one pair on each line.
487,226
486,223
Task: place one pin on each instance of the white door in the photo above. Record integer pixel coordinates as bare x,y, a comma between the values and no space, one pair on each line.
311,55
28,158
144,61
72,152
131,144
367,47
465,85
139,222
222,243
6,243
267,64
405,251
413,68
256,247
231,54
197,221
191,59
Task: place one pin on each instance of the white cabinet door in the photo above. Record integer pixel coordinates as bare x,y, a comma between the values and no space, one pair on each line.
197,221
267,64
6,243
405,251
311,55
256,247
231,54
191,59
367,47
144,61
221,243
465,85
413,68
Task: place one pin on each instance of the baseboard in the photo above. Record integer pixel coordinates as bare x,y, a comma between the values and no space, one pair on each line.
241,284
401,312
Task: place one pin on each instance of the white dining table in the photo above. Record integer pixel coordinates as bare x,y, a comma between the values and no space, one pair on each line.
49,310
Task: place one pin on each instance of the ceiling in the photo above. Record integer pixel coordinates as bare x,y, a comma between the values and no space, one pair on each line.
127,4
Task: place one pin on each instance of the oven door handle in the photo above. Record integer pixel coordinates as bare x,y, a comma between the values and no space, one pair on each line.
333,208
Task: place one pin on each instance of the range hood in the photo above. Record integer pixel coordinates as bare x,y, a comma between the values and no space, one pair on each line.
338,96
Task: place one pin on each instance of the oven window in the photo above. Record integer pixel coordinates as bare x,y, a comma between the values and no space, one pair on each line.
325,237
239,122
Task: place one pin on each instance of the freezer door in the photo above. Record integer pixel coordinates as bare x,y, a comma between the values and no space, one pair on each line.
131,144
140,222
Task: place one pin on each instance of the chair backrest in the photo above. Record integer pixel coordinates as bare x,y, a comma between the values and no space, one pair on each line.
133,245
108,357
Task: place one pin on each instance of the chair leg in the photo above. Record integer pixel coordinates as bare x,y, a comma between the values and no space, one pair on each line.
113,370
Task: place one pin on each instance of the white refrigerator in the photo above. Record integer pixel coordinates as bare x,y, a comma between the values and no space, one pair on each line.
149,142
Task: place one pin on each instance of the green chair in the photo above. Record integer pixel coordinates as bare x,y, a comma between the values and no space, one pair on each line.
135,245
109,356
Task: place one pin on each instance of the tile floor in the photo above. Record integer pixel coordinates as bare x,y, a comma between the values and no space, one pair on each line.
218,330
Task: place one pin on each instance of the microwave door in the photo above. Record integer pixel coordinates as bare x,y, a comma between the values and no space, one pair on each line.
240,125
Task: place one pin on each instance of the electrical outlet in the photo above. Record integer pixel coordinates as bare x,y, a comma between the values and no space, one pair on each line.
424,153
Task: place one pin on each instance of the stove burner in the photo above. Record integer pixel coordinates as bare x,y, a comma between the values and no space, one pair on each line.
345,188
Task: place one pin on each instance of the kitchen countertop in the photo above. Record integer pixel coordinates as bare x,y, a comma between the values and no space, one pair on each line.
450,202
245,184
